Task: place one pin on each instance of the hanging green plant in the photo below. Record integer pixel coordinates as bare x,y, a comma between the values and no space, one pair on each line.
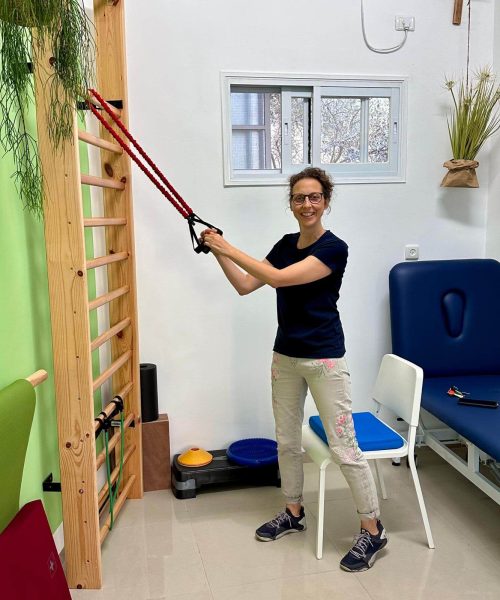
64,29
475,117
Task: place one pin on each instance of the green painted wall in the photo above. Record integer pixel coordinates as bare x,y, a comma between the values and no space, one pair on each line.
25,331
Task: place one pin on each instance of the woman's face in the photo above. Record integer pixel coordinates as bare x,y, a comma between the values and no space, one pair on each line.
308,213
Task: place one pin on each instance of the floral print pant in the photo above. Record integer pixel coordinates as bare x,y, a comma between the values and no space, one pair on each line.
329,382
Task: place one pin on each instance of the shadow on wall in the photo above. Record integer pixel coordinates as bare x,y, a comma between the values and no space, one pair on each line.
462,205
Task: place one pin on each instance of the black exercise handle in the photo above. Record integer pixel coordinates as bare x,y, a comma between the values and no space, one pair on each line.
198,245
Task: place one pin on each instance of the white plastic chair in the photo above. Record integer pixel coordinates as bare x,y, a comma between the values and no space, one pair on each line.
398,388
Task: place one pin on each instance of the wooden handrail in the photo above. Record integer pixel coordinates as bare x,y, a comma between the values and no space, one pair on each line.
93,263
93,140
119,503
37,377
107,335
108,297
114,475
103,182
119,362
101,457
104,221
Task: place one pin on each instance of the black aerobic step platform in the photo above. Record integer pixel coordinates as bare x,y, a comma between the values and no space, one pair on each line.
186,481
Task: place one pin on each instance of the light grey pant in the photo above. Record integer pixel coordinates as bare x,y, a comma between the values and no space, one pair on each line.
329,382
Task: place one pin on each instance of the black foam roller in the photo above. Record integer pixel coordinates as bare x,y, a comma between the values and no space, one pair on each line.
149,392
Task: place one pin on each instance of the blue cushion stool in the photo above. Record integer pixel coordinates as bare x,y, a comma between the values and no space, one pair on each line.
371,433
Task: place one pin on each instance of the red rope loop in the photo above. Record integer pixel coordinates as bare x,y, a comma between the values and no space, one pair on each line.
171,193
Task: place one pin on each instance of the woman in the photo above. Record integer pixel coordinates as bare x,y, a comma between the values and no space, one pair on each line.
306,268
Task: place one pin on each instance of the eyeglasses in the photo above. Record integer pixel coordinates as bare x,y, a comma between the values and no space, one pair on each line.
314,198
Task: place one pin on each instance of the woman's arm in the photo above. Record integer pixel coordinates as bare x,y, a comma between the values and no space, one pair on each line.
242,282
306,271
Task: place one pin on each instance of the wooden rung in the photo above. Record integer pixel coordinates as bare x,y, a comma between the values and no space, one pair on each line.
93,140
118,506
114,475
101,457
125,390
100,261
119,362
105,298
104,221
109,408
103,182
107,335
37,377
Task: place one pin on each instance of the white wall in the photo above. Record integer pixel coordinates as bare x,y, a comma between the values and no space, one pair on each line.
212,347
493,228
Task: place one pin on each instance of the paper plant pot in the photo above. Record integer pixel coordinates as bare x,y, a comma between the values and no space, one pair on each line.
461,173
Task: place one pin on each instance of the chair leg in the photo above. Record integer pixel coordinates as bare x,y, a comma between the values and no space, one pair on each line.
380,478
423,510
321,512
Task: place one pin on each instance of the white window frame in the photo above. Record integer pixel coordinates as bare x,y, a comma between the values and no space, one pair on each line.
315,86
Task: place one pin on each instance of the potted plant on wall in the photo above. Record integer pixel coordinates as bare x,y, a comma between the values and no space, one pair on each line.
475,118
28,28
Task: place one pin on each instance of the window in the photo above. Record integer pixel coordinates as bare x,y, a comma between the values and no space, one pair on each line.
275,126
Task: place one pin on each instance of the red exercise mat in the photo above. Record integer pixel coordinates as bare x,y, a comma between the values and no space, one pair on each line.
30,568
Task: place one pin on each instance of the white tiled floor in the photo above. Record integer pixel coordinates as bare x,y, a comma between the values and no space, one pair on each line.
204,549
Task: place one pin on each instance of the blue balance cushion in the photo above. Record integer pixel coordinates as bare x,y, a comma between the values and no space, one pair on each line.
253,452
371,433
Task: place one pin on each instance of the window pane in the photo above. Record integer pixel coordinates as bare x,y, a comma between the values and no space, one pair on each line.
256,125
247,108
378,130
275,115
300,131
248,149
340,130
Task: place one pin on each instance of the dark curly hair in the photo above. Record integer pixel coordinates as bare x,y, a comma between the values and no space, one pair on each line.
313,173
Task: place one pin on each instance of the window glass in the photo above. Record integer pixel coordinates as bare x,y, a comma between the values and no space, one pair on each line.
247,108
275,114
277,125
248,149
256,130
378,130
340,130
300,131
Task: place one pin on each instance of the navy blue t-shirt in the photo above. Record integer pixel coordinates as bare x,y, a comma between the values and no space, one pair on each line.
308,320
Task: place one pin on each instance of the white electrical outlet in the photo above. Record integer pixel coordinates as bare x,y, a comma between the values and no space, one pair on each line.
404,23
411,252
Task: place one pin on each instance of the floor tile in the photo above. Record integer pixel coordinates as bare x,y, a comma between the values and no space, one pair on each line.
318,586
204,548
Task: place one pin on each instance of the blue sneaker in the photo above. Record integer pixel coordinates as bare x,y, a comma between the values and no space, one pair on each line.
283,523
364,552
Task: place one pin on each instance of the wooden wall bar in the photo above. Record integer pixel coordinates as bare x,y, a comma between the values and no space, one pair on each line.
65,249
112,85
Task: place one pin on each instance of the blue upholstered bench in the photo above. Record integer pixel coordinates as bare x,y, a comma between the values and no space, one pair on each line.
445,317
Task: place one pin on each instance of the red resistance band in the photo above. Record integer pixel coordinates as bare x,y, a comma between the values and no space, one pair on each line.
167,188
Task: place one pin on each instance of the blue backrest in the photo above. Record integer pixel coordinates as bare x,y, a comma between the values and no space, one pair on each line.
445,315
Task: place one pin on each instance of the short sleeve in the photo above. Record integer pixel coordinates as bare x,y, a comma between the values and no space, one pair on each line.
272,254
275,256
333,254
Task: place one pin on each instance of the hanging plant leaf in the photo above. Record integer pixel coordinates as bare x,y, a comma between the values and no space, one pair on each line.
65,30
